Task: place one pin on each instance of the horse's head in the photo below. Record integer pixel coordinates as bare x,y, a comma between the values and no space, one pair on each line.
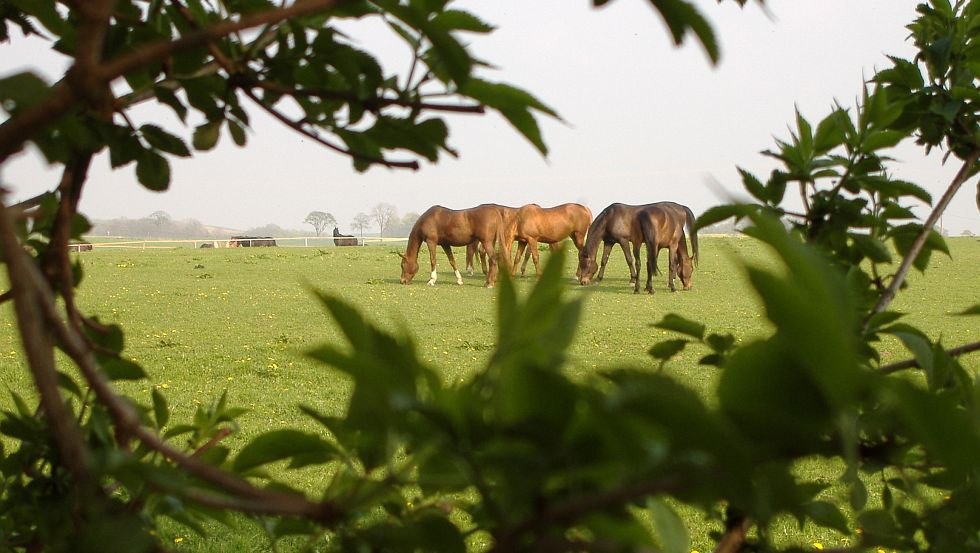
410,266
685,270
587,267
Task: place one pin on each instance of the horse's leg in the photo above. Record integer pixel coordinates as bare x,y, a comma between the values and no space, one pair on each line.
483,257
532,246
431,246
521,248
489,246
470,252
672,252
625,244
606,250
452,262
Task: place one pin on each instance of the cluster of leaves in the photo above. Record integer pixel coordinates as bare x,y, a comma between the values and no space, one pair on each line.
520,456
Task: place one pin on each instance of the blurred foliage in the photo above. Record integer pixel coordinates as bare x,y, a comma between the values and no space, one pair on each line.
520,454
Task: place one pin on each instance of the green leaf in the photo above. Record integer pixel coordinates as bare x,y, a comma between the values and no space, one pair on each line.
514,104
206,135
160,410
162,140
462,21
667,349
23,89
671,529
153,170
277,445
117,368
681,17
872,248
877,140
826,514
676,323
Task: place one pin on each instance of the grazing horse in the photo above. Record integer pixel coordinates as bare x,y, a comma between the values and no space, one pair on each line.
616,224
660,227
507,218
551,225
343,239
440,226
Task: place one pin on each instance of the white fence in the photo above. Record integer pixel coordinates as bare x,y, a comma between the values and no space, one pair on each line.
102,242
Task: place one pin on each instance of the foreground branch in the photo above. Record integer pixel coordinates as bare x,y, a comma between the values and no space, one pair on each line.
962,176
912,363
68,93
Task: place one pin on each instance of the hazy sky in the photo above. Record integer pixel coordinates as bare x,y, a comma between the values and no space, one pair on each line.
643,121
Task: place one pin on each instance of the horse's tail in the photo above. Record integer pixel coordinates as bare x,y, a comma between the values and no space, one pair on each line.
694,233
649,236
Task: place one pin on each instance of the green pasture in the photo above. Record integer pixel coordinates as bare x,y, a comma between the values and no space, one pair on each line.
203,321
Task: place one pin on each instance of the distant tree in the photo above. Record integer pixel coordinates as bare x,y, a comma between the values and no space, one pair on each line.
405,225
320,221
159,217
361,221
967,232
384,214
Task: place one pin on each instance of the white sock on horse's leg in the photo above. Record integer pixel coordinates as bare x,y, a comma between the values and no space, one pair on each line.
432,281
459,277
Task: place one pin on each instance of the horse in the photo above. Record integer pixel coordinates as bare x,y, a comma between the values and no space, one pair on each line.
533,224
616,224
472,249
661,227
343,239
452,227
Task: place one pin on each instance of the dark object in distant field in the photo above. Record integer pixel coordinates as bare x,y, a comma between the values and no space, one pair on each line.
251,241
343,239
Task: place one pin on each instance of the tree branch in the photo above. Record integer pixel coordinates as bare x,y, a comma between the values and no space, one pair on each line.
962,176
80,80
40,353
298,127
912,363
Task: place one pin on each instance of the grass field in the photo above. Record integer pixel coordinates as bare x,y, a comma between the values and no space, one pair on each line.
208,320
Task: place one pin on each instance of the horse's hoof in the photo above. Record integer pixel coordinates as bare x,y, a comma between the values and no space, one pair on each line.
432,283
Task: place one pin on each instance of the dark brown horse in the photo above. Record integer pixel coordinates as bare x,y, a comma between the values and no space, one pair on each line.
533,224
440,226
617,224
661,227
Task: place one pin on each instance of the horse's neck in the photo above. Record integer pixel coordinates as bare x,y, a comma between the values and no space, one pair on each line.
414,244
596,232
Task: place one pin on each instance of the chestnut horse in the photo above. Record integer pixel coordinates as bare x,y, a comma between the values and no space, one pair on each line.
507,218
617,224
551,225
440,226
660,227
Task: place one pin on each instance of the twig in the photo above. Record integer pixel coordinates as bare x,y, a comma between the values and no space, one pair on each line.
912,363
962,176
40,353
372,104
734,537
580,506
298,127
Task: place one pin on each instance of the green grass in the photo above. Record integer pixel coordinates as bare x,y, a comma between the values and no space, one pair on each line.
205,321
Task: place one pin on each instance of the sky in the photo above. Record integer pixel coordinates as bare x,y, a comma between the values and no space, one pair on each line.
641,120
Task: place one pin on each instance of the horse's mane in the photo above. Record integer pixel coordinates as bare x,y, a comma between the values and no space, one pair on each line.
597,229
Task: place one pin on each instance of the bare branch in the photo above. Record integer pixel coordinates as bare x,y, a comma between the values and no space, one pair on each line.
962,176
